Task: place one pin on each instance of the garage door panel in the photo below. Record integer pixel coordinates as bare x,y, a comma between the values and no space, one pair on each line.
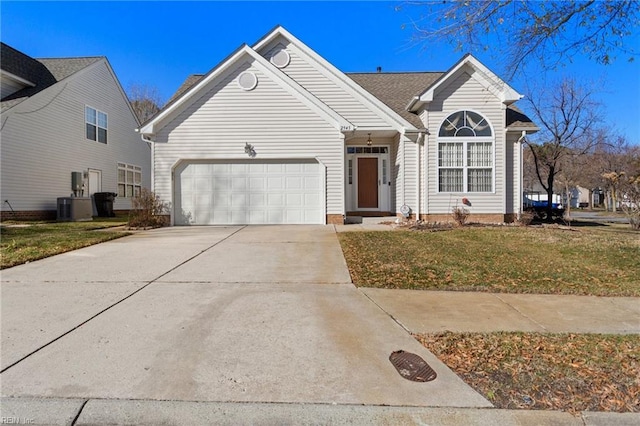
294,182
275,182
257,183
250,192
275,200
312,183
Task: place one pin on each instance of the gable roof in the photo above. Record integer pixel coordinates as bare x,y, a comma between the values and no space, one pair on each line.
41,73
337,76
196,83
497,86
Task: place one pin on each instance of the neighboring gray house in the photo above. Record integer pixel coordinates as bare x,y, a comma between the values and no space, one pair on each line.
276,134
65,115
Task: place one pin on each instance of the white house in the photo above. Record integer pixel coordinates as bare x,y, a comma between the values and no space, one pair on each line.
276,134
60,116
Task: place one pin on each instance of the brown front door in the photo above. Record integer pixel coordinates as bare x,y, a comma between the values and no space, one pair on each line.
367,183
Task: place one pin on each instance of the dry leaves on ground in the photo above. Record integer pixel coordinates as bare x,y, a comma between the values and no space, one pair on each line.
569,372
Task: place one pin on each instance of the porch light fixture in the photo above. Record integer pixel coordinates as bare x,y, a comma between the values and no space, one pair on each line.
369,141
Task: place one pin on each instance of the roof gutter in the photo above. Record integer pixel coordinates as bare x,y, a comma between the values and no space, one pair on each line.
412,103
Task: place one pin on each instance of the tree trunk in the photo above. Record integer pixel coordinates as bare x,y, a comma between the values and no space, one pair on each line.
550,194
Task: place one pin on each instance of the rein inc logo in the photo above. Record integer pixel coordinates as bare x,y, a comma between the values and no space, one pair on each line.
16,421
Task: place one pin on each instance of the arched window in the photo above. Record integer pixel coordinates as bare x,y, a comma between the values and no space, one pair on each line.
465,153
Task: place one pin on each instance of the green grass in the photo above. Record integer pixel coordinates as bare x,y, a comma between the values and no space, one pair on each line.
22,242
547,260
569,372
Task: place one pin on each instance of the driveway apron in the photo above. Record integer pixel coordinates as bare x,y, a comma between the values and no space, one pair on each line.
261,314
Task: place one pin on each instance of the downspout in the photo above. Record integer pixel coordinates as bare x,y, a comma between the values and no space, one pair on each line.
152,145
521,141
418,191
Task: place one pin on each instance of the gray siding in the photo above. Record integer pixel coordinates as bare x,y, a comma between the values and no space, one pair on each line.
43,141
465,93
276,123
304,71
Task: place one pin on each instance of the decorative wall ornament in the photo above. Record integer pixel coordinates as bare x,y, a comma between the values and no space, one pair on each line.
249,150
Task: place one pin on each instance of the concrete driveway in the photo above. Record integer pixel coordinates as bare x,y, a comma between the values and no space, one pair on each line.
261,314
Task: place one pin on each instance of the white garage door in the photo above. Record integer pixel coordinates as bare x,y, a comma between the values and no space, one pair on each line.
249,192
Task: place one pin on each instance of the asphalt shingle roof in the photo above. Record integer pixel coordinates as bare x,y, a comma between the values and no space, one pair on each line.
397,89
41,72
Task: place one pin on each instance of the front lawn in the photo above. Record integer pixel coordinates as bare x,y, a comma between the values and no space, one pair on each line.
548,260
22,242
569,372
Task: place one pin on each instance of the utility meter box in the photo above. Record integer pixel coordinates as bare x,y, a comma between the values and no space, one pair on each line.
74,209
76,182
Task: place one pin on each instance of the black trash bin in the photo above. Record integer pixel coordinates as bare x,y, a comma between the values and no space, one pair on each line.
104,203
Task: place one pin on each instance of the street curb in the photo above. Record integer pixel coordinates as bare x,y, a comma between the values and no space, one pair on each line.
77,411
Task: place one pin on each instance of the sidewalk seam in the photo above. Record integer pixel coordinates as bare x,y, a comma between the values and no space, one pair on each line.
497,296
386,312
75,419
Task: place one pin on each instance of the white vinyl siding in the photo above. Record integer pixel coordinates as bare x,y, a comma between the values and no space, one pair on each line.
466,93
335,95
44,140
278,125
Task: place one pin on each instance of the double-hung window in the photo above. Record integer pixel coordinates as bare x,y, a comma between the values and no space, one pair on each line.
129,180
96,124
465,154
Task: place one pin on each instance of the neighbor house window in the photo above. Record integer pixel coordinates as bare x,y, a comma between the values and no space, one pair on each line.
465,154
129,180
96,124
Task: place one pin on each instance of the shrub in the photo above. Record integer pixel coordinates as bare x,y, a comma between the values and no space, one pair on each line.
460,215
526,217
147,210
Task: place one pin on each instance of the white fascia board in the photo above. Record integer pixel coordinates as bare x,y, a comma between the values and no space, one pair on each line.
496,85
338,77
16,78
151,126
519,129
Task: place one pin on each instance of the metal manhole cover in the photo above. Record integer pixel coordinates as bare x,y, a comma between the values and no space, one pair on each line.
412,367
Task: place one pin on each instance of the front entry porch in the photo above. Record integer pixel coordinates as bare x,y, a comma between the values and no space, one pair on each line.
368,181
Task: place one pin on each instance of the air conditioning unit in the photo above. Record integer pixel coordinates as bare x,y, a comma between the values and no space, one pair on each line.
74,209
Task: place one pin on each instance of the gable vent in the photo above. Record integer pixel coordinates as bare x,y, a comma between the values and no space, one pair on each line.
281,59
247,80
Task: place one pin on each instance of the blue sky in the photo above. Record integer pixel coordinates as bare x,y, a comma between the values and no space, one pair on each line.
161,43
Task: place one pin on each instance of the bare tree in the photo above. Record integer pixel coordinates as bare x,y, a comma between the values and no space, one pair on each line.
145,100
568,116
630,188
550,31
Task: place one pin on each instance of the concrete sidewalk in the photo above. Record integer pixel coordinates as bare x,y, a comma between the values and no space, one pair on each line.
421,311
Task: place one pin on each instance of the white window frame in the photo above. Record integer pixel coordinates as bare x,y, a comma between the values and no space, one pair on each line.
128,185
466,141
96,124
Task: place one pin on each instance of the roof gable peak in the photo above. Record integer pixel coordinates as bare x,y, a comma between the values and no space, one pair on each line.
468,62
152,125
